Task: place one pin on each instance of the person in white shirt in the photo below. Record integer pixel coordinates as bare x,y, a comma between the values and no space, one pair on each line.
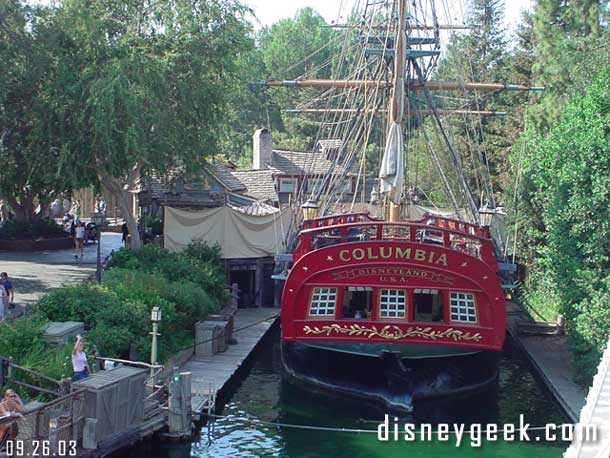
79,360
79,239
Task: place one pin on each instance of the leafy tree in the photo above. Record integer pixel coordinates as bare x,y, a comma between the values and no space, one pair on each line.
479,54
33,125
150,85
292,48
571,43
568,172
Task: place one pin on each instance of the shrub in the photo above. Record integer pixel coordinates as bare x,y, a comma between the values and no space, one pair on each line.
44,227
77,303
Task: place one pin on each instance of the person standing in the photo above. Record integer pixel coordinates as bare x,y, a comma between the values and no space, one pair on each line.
8,299
79,360
3,301
125,232
76,210
79,239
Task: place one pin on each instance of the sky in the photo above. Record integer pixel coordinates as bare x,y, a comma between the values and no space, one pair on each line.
270,11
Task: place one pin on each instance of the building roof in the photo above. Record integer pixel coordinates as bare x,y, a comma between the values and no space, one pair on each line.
330,143
160,183
257,209
226,176
256,183
301,163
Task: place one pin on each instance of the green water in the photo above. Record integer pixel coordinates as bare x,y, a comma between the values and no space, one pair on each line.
262,398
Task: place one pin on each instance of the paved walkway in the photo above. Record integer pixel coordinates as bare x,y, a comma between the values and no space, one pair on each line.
34,274
211,373
552,360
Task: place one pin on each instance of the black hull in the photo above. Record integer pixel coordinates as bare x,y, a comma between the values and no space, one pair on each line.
392,382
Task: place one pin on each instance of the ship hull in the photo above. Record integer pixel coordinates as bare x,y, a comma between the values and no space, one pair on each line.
389,380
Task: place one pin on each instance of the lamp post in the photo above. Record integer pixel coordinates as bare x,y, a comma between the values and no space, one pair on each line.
155,317
310,210
98,220
486,213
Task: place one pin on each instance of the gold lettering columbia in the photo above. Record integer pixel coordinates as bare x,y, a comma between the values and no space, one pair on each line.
391,252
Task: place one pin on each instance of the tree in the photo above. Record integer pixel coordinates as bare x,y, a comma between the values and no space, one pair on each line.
151,85
292,48
568,172
480,54
33,125
571,43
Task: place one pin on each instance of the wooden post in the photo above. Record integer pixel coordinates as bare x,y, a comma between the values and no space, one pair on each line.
185,385
258,283
179,406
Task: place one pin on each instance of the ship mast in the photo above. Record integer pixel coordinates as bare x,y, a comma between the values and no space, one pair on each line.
391,173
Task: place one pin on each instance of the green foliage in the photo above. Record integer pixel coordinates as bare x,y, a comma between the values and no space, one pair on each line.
33,126
23,340
43,227
154,223
566,177
186,286
199,264
570,40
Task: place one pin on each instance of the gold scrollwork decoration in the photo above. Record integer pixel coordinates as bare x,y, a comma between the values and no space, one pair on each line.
392,332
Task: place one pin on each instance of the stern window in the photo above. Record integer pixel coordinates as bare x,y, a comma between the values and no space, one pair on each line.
428,305
392,303
357,302
323,302
463,307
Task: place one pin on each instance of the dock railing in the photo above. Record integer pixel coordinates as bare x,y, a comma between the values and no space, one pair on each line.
51,429
30,379
154,390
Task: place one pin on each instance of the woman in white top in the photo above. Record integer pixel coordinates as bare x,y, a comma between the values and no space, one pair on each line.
79,239
79,360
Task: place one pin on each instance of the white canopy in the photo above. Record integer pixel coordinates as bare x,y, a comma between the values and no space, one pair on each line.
239,235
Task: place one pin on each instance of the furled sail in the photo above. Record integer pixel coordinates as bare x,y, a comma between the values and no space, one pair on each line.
391,173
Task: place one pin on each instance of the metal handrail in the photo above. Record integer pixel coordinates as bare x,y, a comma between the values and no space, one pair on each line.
133,363
393,224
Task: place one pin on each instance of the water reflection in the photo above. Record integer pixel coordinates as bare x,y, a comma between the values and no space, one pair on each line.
248,427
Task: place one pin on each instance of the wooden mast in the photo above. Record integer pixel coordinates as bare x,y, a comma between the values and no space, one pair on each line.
413,85
397,104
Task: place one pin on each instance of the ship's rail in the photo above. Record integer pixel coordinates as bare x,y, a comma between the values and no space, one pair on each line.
334,220
463,237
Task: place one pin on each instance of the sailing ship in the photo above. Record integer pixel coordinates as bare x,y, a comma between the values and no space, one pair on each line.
399,306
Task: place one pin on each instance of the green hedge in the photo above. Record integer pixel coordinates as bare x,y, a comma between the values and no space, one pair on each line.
20,230
187,286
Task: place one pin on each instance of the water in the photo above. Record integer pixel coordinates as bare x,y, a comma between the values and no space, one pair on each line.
247,428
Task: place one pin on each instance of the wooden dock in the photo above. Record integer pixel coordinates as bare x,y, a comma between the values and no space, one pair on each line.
551,359
209,374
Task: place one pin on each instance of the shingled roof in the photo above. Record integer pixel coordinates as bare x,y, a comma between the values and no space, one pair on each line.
300,163
226,176
258,183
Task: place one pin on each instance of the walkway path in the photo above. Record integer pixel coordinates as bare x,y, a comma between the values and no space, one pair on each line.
596,414
34,274
551,359
211,373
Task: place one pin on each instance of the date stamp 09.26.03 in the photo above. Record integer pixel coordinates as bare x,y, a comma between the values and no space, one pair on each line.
40,448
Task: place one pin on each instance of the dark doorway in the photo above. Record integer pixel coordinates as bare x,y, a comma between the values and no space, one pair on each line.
245,283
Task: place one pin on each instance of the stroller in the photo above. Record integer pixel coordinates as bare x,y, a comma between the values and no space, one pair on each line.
91,231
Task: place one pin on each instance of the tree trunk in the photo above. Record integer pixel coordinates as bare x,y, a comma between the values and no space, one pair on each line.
23,208
115,187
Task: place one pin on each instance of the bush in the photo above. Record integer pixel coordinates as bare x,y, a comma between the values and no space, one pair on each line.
77,303
199,264
21,230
